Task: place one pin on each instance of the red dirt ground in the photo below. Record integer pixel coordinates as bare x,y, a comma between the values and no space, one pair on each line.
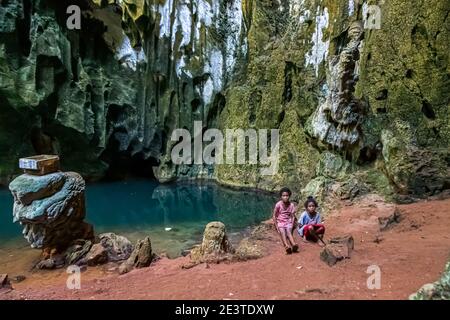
410,254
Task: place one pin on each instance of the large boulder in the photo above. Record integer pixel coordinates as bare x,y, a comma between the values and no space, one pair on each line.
51,209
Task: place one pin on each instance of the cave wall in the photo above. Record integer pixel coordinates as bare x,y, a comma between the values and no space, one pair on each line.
358,109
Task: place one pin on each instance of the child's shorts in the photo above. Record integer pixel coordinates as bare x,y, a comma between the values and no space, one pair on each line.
287,226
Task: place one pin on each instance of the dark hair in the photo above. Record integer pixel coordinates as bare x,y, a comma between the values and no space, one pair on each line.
285,189
309,200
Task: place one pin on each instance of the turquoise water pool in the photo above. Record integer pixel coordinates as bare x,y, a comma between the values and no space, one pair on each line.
173,215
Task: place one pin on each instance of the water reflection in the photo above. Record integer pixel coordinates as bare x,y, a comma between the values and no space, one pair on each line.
143,203
173,215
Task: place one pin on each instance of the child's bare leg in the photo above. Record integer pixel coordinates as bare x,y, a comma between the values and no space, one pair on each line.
292,241
291,238
283,237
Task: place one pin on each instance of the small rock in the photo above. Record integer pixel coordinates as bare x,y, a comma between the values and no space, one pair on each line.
346,240
311,290
334,252
118,247
414,225
141,256
47,264
125,268
142,253
386,222
316,290
77,251
4,281
18,278
378,239
59,260
189,265
97,255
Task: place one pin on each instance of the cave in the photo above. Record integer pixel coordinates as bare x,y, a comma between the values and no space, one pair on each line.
123,166
367,155
126,164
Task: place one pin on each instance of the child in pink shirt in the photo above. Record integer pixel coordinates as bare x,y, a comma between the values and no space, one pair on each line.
283,218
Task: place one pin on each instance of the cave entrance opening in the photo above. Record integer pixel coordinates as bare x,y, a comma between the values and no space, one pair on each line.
127,164
124,166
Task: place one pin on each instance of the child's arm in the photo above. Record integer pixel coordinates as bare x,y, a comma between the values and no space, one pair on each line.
300,221
293,212
275,216
319,218
301,224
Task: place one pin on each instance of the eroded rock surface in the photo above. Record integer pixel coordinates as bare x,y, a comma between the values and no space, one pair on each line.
106,98
141,256
51,209
215,243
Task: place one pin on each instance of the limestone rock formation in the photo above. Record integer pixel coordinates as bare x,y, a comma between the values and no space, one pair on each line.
411,169
96,255
141,256
439,290
117,247
109,247
51,209
107,97
332,86
77,251
338,119
215,245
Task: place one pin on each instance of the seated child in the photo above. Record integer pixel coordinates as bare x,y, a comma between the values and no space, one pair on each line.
310,224
283,218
